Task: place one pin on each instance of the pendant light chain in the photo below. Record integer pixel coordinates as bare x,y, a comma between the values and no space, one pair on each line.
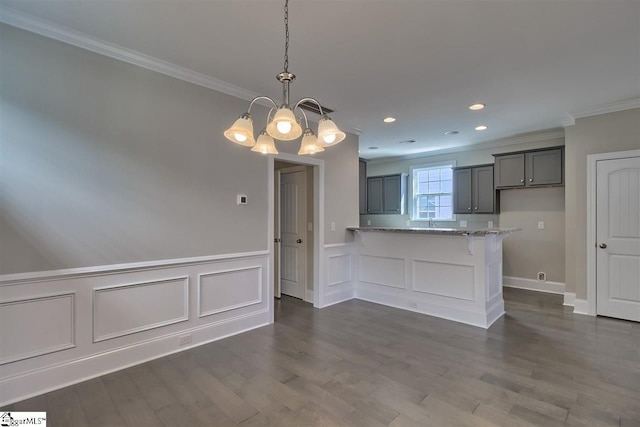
286,36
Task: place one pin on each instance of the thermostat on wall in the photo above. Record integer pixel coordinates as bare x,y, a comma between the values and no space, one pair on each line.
242,199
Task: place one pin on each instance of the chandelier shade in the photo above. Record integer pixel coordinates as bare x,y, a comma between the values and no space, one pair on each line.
265,144
309,143
328,132
242,131
285,126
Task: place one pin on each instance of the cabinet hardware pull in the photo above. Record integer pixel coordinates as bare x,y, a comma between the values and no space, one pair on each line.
522,180
476,208
603,246
530,179
299,241
469,208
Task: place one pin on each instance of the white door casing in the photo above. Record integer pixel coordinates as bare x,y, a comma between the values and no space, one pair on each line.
277,237
293,232
618,238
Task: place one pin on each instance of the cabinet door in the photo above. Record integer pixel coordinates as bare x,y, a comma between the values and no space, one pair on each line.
363,187
510,170
462,191
483,190
544,167
374,195
392,191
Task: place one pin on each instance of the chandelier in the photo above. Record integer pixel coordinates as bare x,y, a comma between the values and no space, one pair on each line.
285,126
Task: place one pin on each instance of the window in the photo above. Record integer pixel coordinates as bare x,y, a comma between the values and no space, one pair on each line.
432,192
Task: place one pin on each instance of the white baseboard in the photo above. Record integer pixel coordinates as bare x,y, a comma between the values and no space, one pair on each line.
308,295
580,306
49,378
569,299
338,297
457,314
533,285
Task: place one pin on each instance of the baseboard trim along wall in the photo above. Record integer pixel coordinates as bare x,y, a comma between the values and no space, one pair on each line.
580,306
84,324
533,285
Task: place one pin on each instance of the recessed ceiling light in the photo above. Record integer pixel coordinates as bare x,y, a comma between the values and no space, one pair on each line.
373,148
407,141
476,107
452,132
481,127
389,119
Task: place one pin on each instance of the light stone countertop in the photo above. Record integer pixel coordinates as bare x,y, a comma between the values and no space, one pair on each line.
440,231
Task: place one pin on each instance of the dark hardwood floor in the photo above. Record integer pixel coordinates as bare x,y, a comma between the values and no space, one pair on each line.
363,364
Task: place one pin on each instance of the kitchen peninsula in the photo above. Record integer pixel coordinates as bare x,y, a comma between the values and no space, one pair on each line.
451,273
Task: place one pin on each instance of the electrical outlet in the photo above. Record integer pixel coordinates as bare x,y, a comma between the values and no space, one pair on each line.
309,226
463,224
542,276
413,304
490,224
186,339
241,199
333,226
368,222
540,225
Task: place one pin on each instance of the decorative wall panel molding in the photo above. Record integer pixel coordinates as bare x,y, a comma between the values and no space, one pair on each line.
36,326
228,290
436,278
382,270
120,310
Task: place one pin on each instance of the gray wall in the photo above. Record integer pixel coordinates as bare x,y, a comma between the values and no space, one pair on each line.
605,133
103,162
526,252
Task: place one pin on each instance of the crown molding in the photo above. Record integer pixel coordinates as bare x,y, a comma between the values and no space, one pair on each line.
503,142
84,41
608,108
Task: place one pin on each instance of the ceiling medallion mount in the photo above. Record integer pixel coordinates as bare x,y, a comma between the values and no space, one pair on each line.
284,125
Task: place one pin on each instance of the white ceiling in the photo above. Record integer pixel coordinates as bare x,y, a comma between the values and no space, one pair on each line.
535,63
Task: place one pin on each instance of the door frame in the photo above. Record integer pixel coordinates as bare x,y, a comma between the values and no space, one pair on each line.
318,223
592,162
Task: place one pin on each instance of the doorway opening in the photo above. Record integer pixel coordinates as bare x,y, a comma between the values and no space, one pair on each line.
300,261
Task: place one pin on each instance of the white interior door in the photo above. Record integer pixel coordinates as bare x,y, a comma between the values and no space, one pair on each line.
276,234
292,229
618,238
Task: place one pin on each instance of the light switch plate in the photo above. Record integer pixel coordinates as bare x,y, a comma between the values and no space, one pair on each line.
333,226
463,224
309,226
540,225
490,224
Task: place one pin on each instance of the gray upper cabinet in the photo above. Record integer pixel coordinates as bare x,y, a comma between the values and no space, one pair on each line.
363,186
484,192
529,168
544,167
462,191
374,195
473,190
387,194
510,170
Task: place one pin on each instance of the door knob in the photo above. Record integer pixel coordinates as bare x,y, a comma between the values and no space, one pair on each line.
299,241
603,246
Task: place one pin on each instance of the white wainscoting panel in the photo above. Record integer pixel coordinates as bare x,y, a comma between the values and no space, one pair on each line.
340,273
439,278
340,267
68,326
382,270
36,326
120,310
228,290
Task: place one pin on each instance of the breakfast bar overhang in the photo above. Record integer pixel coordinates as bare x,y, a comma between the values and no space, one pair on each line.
454,274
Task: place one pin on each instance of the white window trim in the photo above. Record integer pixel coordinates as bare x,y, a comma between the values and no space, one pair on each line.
412,191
